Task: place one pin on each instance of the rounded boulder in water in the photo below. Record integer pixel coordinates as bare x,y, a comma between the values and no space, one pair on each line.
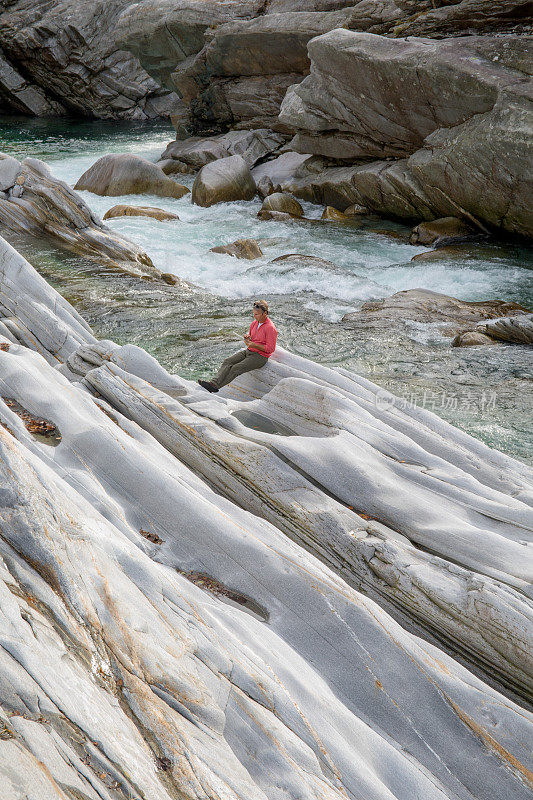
223,180
115,175
286,203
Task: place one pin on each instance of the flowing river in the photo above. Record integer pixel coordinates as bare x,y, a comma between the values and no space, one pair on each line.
484,390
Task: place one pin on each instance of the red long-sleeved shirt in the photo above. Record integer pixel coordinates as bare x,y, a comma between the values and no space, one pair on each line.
266,334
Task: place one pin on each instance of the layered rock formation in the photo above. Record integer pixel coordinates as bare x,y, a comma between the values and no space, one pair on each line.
62,57
159,640
232,62
458,109
33,201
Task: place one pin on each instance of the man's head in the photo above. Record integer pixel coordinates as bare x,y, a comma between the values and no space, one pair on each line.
260,310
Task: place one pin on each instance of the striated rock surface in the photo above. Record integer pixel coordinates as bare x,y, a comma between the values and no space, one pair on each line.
459,110
19,94
115,175
424,305
159,640
33,201
509,329
223,180
63,58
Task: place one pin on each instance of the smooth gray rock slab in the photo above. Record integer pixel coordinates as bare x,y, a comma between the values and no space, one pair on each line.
190,604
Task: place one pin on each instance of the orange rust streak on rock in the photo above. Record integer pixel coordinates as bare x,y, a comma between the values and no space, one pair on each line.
483,734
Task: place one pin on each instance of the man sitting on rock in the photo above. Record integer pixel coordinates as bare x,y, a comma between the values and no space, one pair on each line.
260,343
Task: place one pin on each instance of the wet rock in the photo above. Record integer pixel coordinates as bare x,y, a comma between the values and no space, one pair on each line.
471,339
39,204
390,234
442,253
169,278
62,58
223,180
192,154
304,260
333,214
9,170
115,175
284,203
423,305
355,211
140,211
447,228
279,216
242,248
518,329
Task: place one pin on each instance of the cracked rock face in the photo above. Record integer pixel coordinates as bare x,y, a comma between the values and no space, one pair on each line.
458,110
193,607
62,58
233,62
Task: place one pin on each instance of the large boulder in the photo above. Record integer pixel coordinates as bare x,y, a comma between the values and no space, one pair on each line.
279,172
61,58
232,62
35,202
454,115
115,175
243,72
223,180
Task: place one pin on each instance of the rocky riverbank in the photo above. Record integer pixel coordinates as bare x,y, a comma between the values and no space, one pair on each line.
229,586
415,111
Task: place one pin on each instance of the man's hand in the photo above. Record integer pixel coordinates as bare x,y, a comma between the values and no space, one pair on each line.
247,338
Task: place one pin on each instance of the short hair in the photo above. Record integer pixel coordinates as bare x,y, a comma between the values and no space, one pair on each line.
262,304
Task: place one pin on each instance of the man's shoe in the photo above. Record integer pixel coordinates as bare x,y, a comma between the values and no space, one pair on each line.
208,385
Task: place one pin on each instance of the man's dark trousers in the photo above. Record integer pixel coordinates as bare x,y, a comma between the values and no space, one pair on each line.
237,364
